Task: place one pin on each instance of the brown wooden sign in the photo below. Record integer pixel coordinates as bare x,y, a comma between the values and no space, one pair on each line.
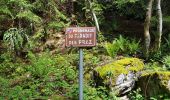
80,37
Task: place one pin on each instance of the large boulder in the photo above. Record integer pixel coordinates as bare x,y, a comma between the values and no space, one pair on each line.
120,75
155,84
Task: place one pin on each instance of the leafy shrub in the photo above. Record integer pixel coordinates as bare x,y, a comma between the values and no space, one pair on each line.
56,73
167,61
154,66
112,49
40,65
49,75
122,45
155,56
135,95
90,93
167,41
15,39
133,46
9,67
90,62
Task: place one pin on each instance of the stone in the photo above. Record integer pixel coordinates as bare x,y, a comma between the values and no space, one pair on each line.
124,98
120,75
155,84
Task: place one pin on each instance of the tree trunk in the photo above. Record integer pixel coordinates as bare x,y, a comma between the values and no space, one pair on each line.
159,26
147,26
96,21
19,20
94,16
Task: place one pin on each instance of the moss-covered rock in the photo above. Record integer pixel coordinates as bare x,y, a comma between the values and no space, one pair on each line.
122,66
155,84
118,72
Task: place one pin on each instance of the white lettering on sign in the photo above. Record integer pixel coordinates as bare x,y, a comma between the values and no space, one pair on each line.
72,42
84,35
85,42
70,36
82,30
80,37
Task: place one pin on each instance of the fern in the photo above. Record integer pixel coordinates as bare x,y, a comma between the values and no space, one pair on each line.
122,45
58,14
15,39
121,41
30,16
21,3
42,65
56,25
112,48
167,61
5,10
133,46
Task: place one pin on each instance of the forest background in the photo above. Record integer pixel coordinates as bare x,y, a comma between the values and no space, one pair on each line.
34,63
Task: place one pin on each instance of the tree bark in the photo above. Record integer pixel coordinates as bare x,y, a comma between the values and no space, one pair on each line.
159,26
94,16
96,21
147,26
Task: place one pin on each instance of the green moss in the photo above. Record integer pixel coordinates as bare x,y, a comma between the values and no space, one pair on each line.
163,76
155,83
120,66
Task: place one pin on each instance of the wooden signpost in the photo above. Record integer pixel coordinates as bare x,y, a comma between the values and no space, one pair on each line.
80,37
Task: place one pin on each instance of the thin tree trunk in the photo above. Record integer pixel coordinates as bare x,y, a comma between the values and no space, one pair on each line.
159,26
96,21
147,26
19,20
94,16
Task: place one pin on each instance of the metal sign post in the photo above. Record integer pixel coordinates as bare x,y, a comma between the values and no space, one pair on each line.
80,37
80,74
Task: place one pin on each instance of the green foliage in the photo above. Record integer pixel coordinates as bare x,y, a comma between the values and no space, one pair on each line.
15,38
165,19
129,8
90,7
135,95
30,16
155,56
21,3
5,10
167,61
166,45
121,2
122,45
46,76
91,61
95,6
112,49
41,66
58,13
57,19
158,83
56,25
90,93
133,46
155,66
49,75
